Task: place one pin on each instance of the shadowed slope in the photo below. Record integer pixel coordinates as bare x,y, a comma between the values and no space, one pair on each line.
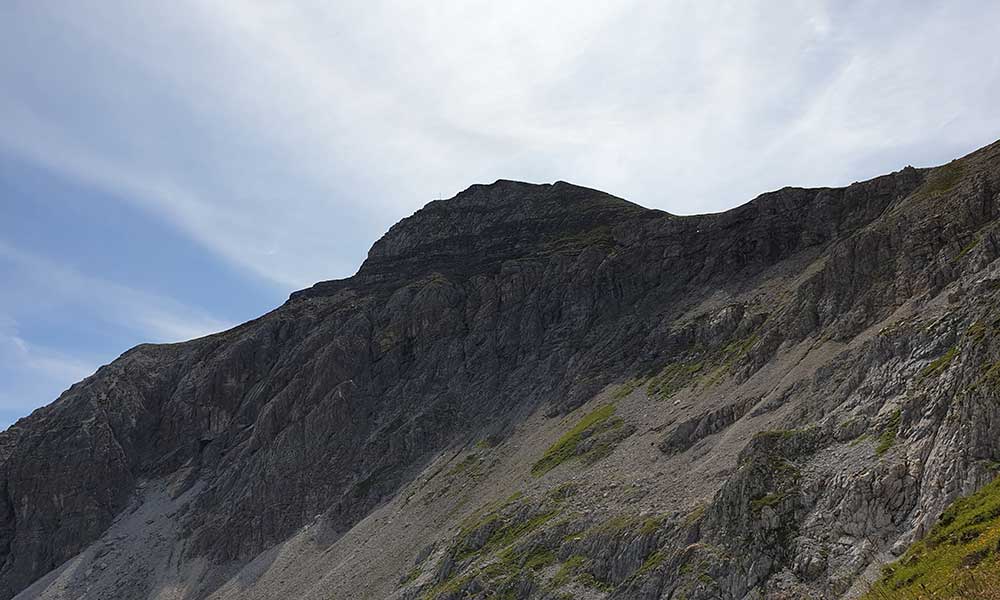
465,319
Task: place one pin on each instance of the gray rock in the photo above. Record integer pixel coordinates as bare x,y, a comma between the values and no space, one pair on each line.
511,298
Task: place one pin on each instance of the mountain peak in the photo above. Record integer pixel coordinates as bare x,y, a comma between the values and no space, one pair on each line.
719,381
489,223
484,225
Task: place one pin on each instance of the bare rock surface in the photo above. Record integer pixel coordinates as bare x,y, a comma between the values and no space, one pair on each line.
542,392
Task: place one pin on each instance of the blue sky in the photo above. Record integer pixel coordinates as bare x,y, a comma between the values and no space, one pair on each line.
171,169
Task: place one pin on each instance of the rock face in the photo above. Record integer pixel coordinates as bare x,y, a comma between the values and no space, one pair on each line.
761,403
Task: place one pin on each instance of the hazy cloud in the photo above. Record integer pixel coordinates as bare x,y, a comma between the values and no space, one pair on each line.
157,318
48,363
46,294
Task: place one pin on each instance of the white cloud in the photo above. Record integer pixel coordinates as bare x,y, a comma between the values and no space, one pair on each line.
287,136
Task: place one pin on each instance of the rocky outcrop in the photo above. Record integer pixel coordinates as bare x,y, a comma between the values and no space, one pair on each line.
689,432
818,360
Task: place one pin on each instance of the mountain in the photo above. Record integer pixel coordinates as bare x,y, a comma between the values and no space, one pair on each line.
545,391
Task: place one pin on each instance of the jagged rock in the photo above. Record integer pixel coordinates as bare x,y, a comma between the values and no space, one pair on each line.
828,356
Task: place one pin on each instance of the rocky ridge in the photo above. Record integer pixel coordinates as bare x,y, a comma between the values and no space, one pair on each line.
544,391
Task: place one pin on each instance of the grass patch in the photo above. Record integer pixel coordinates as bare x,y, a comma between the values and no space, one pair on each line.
976,332
496,545
510,531
733,353
991,376
448,586
968,248
486,514
511,563
888,436
672,378
655,560
487,443
589,581
614,525
944,178
505,531
618,525
958,559
562,492
939,364
773,436
859,440
539,559
771,499
567,571
784,434
411,576
700,366
651,525
625,389
470,463
695,515
566,447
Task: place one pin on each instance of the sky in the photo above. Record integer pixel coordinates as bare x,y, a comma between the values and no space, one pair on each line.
171,169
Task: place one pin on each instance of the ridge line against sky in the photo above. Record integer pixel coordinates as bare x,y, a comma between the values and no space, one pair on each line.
201,159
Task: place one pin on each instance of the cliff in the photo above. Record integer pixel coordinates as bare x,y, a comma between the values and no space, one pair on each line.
534,391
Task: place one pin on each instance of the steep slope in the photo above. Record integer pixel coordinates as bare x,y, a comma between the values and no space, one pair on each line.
957,559
540,390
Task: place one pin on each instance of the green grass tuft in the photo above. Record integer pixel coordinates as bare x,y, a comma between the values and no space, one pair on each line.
566,571
447,587
655,560
470,463
589,581
958,559
625,389
651,525
487,443
976,332
700,367
888,436
565,447
991,376
968,248
771,499
939,364
411,576
672,378
562,492
539,559
695,515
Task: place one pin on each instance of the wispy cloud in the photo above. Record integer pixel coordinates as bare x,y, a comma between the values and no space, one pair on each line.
31,137
286,136
32,374
43,361
154,318
54,299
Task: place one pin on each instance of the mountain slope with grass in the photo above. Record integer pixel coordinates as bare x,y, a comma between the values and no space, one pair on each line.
545,391
959,558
